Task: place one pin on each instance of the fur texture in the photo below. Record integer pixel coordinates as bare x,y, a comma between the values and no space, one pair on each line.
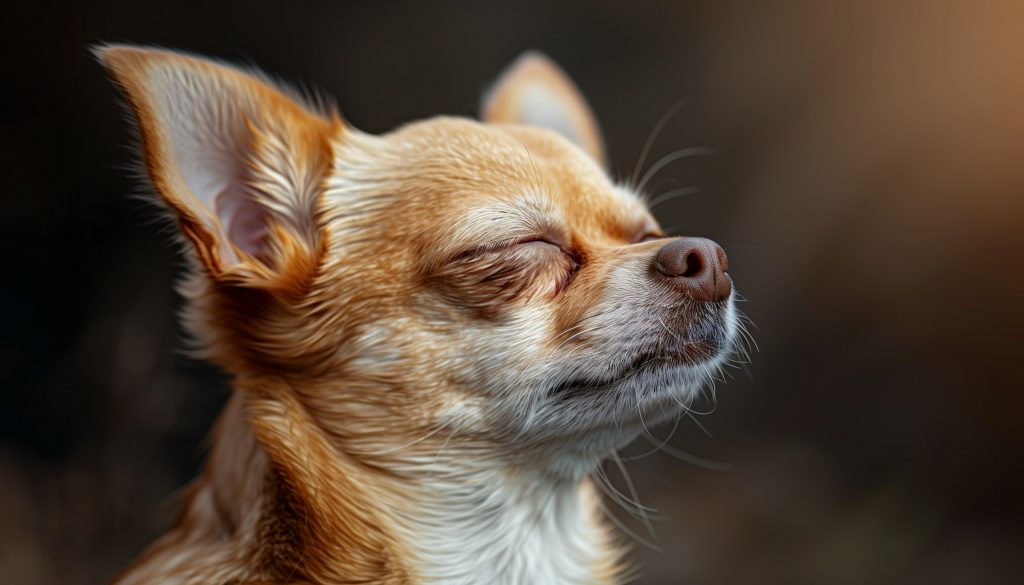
434,335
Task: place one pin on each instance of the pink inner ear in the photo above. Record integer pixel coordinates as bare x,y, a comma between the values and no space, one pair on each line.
244,221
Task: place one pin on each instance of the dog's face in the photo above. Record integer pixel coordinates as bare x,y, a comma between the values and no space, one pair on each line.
479,281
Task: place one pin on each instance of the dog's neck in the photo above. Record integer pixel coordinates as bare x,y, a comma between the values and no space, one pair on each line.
279,496
479,525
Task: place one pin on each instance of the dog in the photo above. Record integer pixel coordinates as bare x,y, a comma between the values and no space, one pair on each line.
434,335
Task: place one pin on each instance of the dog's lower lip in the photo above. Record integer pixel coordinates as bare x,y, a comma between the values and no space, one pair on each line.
692,352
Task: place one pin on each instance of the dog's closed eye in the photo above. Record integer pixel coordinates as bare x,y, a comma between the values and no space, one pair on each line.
544,246
498,273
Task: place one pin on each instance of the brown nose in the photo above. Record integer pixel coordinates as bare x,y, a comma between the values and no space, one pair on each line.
697,266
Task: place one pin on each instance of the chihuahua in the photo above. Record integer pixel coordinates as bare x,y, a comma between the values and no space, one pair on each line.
434,335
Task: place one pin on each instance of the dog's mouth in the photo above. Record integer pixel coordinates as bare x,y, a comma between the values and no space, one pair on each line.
691,352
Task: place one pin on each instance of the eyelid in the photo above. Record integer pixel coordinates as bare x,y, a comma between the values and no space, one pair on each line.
576,259
507,243
568,252
537,240
649,237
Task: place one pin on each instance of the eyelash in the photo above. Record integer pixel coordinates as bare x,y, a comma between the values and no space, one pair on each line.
575,261
511,243
573,256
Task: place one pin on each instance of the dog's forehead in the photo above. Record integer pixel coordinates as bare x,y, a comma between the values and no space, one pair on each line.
459,168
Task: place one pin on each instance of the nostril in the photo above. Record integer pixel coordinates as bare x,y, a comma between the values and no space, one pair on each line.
694,263
697,267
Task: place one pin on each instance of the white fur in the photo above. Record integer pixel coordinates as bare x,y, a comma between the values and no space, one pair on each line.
501,528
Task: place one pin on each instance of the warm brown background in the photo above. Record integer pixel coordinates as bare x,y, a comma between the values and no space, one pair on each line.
868,192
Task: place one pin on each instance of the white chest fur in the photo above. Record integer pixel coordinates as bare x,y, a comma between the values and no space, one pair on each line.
508,530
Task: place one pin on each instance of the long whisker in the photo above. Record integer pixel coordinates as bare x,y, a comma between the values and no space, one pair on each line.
657,447
640,411
694,460
700,425
632,492
663,183
634,509
628,531
671,158
673,194
652,137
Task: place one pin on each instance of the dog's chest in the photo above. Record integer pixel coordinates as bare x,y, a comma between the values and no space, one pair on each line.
509,535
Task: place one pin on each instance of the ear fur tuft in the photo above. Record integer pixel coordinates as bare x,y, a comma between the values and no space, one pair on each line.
239,161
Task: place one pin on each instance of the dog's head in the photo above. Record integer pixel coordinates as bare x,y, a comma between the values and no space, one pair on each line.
482,282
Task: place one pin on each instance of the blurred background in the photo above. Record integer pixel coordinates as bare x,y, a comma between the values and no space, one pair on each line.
868,193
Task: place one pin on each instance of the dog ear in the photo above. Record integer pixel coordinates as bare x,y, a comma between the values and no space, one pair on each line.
536,92
239,162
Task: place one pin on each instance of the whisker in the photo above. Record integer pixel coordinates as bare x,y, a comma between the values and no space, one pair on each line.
698,423
671,158
673,194
632,491
695,460
661,184
640,411
652,137
675,425
604,483
631,507
625,529
665,327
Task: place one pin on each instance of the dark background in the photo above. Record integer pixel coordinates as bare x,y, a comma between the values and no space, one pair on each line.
868,192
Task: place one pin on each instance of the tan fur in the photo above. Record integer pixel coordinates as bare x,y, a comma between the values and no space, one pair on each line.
354,339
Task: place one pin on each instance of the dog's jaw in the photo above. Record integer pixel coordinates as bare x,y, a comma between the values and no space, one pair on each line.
649,382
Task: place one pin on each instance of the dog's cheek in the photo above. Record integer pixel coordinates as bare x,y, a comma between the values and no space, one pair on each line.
578,303
608,312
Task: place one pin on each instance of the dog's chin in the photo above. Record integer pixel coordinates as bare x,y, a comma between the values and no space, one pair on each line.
589,418
651,387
